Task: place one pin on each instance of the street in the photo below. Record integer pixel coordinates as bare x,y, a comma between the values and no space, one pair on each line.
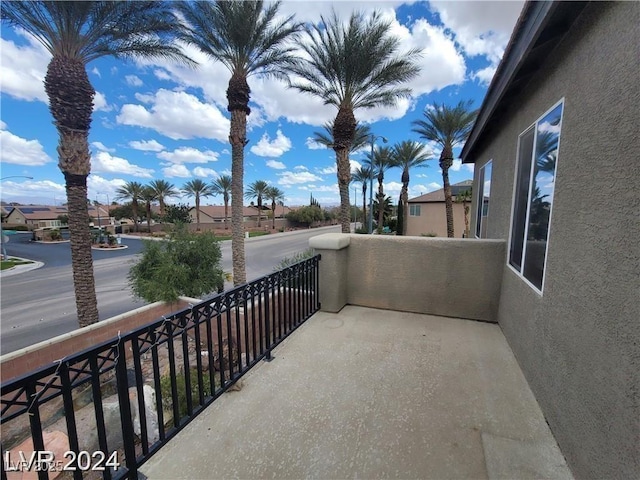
40,304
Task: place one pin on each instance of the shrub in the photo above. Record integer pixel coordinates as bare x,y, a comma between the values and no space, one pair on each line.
55,235
430,234
185,264
296,258
362,230
165,388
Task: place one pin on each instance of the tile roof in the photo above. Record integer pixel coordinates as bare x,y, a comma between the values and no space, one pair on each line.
438,195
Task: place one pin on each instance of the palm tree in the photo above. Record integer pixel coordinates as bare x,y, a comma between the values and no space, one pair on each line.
352,66
408,155
75,33
360,139
275,195
248,38
382,161
222,186
162,190
464,198
384,213
257,190
131,191
447,126
364,174
197,188
148,194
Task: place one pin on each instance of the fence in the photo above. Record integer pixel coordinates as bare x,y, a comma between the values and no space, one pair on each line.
104,411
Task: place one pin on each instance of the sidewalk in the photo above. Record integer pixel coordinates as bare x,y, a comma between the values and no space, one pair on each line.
21,268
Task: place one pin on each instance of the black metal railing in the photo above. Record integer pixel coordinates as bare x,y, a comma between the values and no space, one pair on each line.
117,403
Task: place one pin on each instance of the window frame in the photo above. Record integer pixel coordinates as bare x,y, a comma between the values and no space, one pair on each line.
534,126
415,207
480,199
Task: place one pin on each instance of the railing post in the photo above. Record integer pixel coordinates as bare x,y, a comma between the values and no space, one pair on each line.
267,321
126,421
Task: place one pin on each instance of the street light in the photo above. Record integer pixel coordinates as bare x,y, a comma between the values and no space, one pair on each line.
373,142
16,176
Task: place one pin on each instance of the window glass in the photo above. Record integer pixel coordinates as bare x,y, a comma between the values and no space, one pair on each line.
537,157
414,210
484,194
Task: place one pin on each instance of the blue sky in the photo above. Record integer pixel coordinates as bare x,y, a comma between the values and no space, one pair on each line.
154,119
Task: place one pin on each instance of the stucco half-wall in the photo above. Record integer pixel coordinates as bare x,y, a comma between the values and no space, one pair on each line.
439,276
578,342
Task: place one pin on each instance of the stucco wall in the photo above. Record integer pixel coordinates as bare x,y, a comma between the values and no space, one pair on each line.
439,276
433,219
579,343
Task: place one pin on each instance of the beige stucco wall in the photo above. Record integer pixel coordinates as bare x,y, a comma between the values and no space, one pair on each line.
433,219
579,342
439,276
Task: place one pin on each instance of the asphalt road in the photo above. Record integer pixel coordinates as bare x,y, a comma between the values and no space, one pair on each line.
40,304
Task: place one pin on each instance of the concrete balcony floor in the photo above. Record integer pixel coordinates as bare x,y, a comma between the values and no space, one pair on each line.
371,393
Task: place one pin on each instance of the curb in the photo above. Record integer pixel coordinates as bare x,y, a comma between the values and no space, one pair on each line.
21,268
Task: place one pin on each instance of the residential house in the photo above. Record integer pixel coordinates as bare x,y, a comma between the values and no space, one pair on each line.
38,216
557,140
427,214
215,213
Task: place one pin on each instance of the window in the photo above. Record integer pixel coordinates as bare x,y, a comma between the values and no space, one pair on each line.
533,196
484,193
414,210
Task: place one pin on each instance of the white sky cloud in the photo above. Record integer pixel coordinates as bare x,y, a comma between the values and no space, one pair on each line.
179,116
45,190
272,148
20,151
147,145
188,155
205,172
313,145
101,146
104,162
96,72
300,167
133,80
100,103
100,188
333,168
276,165
484,75
24,68
294,178
176,170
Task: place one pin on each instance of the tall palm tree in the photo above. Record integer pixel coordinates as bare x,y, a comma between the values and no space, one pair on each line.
382,161
248,38
275,195
75,33
131,191
360,139
149,195
163,190
364,174
464,198
197,188
257,190
222,186
352,66
447,126
408,155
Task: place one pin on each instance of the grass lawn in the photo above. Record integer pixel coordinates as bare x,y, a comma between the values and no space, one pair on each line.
12,262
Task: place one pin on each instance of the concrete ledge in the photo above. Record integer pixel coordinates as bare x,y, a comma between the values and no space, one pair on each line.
330,241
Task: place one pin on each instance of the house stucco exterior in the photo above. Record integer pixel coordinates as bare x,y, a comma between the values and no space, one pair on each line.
578,341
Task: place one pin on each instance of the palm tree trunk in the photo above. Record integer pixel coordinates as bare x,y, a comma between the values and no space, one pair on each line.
344,178
197,212
259,210
237,137
81,259
226,213
446,160
364,203
149,217
404,195
71,103
380,204
273,219
134,209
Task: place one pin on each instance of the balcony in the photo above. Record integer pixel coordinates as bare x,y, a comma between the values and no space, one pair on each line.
404,373
369,393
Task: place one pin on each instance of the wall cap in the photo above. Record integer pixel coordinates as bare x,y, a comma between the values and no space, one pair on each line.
330,241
